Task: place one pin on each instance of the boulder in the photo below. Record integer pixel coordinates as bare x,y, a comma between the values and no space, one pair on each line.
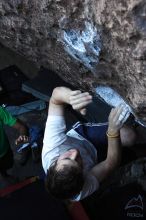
88,43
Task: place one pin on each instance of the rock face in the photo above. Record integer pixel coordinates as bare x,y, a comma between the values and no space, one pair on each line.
88,43
132,172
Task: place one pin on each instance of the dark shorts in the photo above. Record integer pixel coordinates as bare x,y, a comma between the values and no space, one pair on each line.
6,162
96,134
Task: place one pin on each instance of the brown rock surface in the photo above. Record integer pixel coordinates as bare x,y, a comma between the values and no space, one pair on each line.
132,172
105,38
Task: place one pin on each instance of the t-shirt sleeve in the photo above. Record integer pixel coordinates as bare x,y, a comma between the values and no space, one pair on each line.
90,186
54,136
6,117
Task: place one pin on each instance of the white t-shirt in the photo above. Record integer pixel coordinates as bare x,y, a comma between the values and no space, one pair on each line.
56,142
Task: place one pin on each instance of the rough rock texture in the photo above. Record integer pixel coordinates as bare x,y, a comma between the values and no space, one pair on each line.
132,172
88,43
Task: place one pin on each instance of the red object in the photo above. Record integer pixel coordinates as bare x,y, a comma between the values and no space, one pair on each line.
77,211
10,189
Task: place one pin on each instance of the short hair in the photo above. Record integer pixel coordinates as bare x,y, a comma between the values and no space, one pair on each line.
65,183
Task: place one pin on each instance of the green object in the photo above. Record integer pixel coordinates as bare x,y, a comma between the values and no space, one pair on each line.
5,119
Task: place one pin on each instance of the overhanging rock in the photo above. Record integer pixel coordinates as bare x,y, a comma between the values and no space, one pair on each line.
88,43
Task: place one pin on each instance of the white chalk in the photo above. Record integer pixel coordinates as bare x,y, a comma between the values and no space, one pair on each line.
124,116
